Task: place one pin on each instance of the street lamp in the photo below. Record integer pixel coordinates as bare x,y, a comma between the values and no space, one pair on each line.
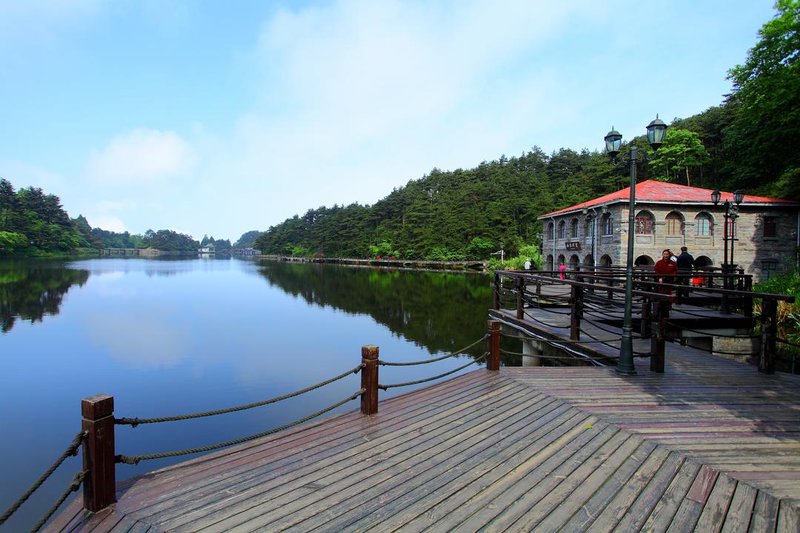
730,215
655,136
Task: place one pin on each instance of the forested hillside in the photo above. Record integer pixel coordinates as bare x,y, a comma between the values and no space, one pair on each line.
750,141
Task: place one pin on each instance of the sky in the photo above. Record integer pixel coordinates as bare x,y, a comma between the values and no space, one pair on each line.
217,118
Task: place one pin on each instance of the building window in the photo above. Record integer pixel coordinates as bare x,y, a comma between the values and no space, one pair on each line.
573,228
551,231
608,224
768,269
674,224
645,224
703,225
588,227
770,228
562,229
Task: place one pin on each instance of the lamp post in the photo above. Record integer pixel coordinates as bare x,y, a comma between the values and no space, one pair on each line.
730,215
655,136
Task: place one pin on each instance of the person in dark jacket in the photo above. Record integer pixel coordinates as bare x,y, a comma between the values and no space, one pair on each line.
685,266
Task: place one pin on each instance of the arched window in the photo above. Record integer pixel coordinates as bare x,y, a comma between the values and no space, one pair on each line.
562,230
605,260
674,223
608,224
551,231
645,223
588,227
703,225
573,228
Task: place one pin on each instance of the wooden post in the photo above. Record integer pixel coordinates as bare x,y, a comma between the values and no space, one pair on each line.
100,486
520,300
496,302
657,341
369,380
748,300
493,362
647,319
576,302
769,331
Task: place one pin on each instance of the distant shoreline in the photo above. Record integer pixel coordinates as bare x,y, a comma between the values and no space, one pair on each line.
408,264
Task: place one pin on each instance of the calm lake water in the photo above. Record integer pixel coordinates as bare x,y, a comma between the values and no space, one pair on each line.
168,337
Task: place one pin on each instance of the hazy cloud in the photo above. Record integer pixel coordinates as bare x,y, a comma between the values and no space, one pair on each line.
141,156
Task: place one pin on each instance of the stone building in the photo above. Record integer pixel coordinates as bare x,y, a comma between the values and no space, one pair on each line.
764,238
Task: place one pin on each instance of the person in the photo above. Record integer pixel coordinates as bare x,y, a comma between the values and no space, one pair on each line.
685,263
562,268
527,264
665,269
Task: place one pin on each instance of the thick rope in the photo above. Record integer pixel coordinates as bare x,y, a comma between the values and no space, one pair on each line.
567,357
136,421
73,487
432,378
442,358
71,450
135,459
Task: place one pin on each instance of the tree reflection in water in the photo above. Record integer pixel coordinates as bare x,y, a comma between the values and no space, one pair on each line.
441,311
30,290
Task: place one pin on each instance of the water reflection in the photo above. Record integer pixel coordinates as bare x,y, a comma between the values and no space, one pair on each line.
31,290
441,311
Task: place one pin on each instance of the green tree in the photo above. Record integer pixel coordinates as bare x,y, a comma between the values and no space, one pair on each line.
681,151
761,141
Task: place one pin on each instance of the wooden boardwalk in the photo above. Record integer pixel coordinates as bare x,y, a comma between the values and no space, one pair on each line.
711,445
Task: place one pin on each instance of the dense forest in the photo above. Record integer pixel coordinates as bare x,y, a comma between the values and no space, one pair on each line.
33,223
749,141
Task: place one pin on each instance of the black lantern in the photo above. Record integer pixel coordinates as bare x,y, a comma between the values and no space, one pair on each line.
655,132
738,197
716,196
613,142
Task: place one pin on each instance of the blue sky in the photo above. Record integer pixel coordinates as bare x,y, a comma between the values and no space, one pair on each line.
222,117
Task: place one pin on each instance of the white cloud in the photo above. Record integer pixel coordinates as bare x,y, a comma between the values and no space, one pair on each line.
107,222
139,156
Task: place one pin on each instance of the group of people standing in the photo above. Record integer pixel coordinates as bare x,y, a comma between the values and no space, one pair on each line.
670,265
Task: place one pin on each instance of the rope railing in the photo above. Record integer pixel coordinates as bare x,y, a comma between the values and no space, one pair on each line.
71,451
592,360
136,459
74,485
426,361
136,421
433,378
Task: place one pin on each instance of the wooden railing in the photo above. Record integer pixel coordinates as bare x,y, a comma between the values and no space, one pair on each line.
655,300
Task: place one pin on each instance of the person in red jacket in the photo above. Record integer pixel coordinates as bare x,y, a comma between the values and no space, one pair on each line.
665,271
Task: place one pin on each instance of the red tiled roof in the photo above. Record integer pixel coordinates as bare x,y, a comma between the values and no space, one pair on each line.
652,191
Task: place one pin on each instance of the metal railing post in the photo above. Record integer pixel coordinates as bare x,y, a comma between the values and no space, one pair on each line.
369,380
100,486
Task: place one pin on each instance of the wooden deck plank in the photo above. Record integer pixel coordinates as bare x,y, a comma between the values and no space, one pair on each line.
788,517
344,454
624,516
716,508
506,450
402,503
765,513
523,457
618,493
238,510
514,502
667,506
416,464
741,509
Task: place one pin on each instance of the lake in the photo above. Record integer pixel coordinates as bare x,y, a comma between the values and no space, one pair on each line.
169,337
